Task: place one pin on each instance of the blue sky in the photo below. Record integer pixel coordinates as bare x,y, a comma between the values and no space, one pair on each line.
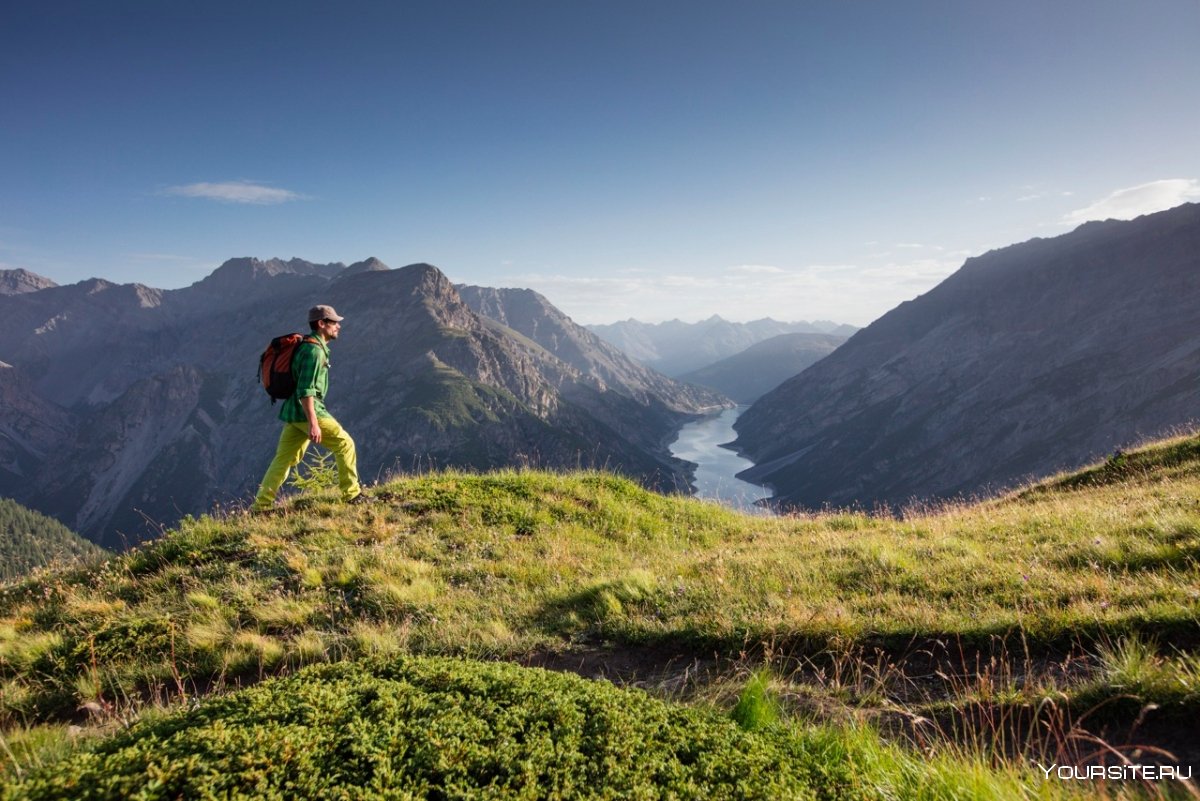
799,160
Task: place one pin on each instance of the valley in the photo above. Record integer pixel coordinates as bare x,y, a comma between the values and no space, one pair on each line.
717,467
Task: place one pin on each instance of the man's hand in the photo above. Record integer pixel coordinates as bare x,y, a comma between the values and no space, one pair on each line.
310,411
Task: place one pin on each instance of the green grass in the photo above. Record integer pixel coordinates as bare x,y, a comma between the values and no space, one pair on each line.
1090,572
440,728
510,563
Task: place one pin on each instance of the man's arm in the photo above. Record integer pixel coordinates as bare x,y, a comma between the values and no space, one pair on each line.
314,430
305,365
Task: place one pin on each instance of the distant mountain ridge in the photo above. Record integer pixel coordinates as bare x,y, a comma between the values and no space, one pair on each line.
750,374
125,404
675,347
1030,359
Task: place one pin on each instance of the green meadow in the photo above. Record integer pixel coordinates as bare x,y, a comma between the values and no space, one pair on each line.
942,653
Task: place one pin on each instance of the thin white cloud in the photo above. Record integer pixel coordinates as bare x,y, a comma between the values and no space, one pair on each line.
247,192
842,292
757,269
1125,204
1040,195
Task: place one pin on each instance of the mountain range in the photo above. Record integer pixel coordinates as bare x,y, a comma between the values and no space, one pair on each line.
750,374
675,347
1030,359
124,407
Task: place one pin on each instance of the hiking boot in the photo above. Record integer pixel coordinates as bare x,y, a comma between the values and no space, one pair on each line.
270,511
360,500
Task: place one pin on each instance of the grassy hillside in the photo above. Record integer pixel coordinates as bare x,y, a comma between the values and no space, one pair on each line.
1000,632
29,539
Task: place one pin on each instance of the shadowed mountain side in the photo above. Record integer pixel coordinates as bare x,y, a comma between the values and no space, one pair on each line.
748,375
163,386
1029,359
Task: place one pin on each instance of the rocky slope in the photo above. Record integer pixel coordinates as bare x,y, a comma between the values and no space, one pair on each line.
1029,359
18,282
747,376
675,347
131,406
641,399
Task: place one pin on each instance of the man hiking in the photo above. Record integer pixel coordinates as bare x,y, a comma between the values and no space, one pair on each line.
305,418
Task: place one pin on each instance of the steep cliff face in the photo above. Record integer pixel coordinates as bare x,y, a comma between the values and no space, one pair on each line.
534,317
1029,359
131,406
643,406
30,428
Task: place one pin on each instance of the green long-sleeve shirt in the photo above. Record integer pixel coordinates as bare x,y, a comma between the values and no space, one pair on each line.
310,366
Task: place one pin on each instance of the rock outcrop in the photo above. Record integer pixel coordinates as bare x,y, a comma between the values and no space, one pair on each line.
19,282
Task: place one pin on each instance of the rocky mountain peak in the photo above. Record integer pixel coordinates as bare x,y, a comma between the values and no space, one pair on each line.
368,265
238,275
20,281
427,279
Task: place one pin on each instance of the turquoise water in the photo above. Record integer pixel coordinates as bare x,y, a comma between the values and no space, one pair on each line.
700,442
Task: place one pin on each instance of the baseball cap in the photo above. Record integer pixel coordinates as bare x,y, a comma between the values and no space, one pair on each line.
323,312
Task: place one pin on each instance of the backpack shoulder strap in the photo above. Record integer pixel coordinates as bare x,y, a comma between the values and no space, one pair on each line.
312,340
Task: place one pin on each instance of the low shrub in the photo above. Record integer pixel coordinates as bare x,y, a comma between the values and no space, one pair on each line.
436,728
454,729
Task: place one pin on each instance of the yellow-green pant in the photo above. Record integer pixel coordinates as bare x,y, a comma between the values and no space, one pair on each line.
293,442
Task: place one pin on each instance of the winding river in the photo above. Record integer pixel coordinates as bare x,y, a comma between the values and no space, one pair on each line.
700,442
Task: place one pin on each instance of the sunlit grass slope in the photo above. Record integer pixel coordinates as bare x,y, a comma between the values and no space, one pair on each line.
510,563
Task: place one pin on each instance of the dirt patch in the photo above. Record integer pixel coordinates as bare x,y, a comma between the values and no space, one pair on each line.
934,694
662,670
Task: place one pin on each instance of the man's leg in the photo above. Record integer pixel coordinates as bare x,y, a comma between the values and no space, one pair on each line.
339,443
293,441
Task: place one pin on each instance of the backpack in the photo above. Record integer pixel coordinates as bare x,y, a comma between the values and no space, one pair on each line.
275,365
